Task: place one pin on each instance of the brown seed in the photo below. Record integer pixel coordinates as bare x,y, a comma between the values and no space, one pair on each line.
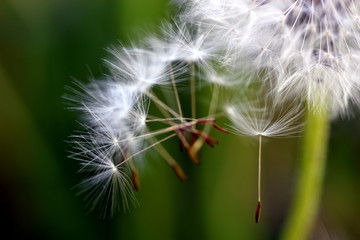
193,138
220,128
208,139
193,154
135,179
179,172
258,212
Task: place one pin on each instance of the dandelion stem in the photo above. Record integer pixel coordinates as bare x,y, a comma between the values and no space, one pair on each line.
170,160
162,105
213,104
144,149
163,152
166,120
134,175
192,90
258,208
175,92
176,127
259,171
307,196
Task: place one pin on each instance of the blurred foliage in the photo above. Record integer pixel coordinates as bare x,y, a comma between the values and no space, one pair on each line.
44,45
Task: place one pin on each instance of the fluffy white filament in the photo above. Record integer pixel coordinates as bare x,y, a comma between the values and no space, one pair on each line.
258,118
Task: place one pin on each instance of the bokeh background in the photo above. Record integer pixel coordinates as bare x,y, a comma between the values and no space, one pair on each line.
44,46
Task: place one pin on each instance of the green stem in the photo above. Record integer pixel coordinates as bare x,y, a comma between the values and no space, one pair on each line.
259,171
192,90
176,93
258,208
213,105
308,194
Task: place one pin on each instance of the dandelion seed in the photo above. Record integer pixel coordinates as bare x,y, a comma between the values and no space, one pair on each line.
140,69
105,184
183,42
263,119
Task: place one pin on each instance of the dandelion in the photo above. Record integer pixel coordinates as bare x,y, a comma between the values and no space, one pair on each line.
302,50
263,119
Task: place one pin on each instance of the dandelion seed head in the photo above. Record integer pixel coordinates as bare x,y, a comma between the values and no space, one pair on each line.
114,168
116,142
217,79
225,75
138,68
230,110
294,40
187,43
105,184
142,121
256,118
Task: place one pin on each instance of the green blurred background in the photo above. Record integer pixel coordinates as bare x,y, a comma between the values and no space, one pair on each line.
44,45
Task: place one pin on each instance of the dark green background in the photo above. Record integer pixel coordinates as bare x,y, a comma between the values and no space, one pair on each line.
44,45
